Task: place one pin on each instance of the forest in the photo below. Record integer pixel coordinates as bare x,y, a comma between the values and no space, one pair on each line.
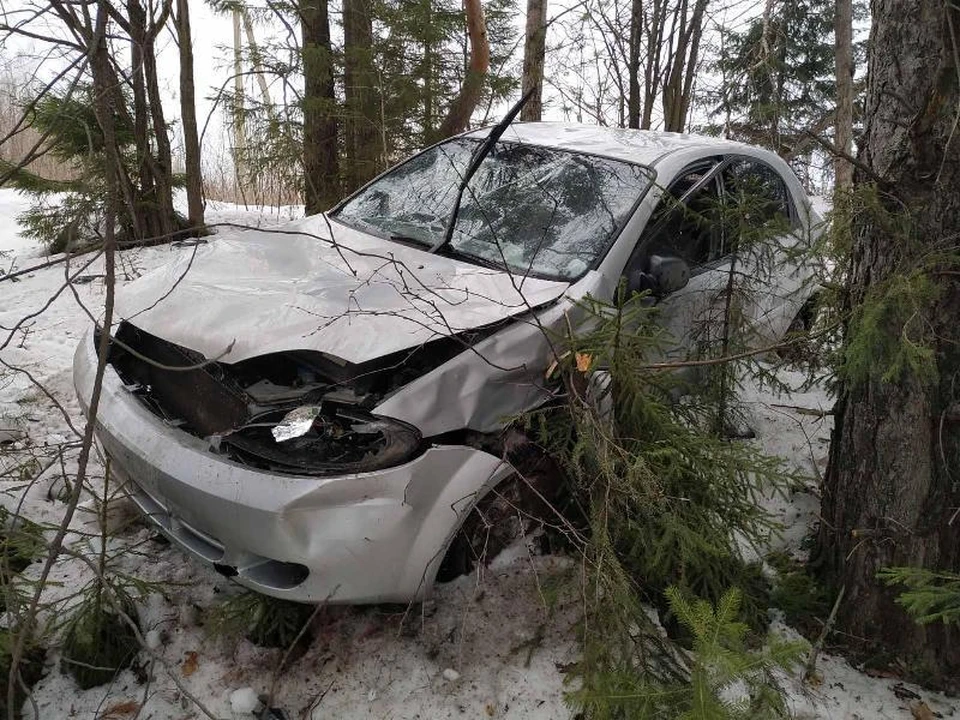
427,358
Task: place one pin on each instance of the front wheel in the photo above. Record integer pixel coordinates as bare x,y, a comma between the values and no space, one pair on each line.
532,502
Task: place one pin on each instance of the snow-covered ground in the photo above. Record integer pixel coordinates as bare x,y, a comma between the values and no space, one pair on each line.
12,203
484,647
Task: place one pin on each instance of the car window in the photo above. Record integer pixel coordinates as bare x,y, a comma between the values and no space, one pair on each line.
686,223
535,210
759,190
700,220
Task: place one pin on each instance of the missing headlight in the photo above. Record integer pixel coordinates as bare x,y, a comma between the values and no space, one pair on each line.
339,440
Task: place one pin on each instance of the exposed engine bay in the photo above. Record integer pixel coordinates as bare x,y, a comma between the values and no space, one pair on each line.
299,412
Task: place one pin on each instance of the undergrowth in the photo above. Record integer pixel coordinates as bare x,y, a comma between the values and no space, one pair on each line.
672,506
929,596
98,642
264,621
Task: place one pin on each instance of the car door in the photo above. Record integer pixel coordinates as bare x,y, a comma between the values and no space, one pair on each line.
762,217
687,224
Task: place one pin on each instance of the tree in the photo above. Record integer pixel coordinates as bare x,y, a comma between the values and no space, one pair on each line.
778,76
463,105
625,58
682,67
361,94
890,495
534,55
73,212
843,135
188,114
320,161
144,26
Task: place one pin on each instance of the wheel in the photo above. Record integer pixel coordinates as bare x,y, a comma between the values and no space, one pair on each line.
529,503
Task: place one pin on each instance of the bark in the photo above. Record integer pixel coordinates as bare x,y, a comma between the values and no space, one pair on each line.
843,137
361,92
633,64
462,107
188,114
138,29
889,494
534,55
320,163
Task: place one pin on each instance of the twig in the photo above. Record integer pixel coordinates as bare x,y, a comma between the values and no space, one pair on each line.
834,150
811,667
813,412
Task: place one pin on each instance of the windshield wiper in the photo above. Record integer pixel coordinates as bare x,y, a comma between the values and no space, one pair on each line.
473,259
481,152
409,240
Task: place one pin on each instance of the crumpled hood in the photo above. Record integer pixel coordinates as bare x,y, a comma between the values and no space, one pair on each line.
291,288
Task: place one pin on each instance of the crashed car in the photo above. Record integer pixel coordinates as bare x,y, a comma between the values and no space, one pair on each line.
304,407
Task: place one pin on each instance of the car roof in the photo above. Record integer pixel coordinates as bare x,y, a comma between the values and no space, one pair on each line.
639,146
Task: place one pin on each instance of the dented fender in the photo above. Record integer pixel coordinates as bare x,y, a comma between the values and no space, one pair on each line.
504,375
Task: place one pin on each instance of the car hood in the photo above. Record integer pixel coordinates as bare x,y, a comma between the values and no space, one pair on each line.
293,288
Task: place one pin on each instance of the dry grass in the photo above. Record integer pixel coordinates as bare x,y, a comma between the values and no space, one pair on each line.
221,182
220,179
14,95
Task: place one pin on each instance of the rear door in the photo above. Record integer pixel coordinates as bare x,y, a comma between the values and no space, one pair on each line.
771,282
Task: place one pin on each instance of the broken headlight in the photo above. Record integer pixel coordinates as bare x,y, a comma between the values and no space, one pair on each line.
324,439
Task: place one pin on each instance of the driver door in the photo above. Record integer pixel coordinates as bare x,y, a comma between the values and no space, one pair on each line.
688,224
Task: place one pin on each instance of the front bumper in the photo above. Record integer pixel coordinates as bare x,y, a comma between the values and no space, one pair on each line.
370,537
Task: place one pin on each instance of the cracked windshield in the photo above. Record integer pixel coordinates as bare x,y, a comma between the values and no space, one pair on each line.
536,211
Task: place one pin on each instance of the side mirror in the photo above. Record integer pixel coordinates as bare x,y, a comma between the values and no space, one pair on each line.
668,273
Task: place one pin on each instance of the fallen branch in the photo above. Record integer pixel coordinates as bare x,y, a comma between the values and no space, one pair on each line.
813,412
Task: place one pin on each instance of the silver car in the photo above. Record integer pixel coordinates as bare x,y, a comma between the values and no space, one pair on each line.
314,409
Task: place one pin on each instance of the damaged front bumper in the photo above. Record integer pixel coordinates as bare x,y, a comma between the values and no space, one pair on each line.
359,538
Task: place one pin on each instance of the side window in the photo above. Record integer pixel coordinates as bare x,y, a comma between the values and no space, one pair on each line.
685,225
758,189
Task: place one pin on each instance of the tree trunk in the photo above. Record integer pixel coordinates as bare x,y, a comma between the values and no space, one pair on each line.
163,174
651,68
256,59
427,73
534,54
239,126
633,64
320,166
361,94
890,494
140,227
843,137
681,66
188,114
462,107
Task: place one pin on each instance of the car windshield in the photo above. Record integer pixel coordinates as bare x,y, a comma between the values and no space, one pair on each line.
533,210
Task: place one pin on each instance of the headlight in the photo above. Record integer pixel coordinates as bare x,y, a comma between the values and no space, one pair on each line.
325,439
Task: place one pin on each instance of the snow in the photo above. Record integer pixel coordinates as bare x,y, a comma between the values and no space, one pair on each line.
487,645
12,242
244,701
